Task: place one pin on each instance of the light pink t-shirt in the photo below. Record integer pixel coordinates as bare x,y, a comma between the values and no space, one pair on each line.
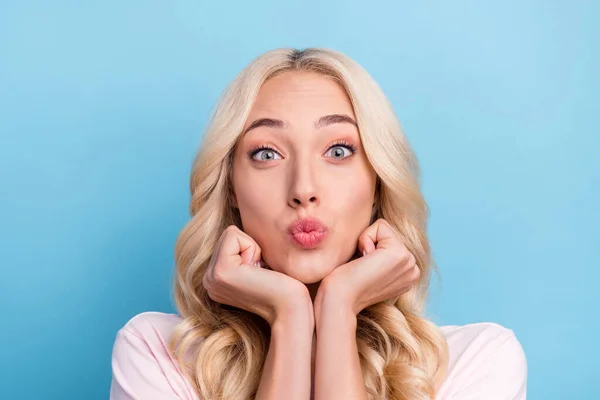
486,362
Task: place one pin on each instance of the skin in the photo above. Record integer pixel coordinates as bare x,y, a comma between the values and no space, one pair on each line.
311,171
303,178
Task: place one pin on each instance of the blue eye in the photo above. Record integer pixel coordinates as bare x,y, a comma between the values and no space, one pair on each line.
264,154
340,151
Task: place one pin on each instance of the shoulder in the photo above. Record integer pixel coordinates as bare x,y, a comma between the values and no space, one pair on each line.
479,334
141,362
152,324
486,360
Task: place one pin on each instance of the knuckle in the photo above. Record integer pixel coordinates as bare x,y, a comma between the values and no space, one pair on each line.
219,278
384,223
220,274
230,228
363,236
416,273
208,284
209,289
403,256
212,296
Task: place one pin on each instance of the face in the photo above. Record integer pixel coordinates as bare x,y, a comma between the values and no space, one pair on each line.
300,157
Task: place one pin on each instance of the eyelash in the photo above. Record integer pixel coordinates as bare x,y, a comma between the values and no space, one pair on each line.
338,143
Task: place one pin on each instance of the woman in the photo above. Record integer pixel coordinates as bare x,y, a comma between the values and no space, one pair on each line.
304,269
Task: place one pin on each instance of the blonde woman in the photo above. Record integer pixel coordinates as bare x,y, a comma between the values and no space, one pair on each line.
304,269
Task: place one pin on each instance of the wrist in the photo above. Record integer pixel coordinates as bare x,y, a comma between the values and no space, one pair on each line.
329,301
299,313
331,310
339,321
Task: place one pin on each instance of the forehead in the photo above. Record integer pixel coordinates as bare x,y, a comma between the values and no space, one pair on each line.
295,93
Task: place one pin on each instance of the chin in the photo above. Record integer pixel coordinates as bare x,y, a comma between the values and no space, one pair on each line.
307,271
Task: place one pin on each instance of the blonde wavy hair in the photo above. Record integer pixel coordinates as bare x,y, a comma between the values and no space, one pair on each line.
222,349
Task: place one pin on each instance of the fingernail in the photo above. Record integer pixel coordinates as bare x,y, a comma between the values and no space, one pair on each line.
364,253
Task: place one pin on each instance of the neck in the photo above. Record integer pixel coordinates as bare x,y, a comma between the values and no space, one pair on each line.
312,289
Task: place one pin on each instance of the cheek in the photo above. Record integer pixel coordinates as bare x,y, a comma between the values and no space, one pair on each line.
249,193
258,202
354,195
355,215
352,200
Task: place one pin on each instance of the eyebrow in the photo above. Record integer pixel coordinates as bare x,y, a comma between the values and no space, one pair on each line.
321,122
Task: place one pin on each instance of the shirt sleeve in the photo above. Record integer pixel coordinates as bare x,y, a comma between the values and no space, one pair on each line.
502,375
136,373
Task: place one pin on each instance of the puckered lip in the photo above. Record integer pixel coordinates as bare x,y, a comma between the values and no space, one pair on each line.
306,225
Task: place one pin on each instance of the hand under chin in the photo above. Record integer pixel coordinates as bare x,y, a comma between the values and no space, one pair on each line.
312,268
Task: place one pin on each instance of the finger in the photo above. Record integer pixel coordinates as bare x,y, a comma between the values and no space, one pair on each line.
220,251
411,275
365,245
366,240
249,250
238,243
402,284
256,260
377,235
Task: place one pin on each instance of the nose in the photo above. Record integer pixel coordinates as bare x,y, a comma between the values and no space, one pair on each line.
303,185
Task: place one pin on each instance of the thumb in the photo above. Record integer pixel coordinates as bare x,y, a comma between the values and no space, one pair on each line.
237,244
366,244
378,235
248,255
249,250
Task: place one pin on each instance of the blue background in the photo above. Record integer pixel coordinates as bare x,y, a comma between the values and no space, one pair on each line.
102,107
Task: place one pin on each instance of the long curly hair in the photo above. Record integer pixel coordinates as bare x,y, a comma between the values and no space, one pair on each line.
222,349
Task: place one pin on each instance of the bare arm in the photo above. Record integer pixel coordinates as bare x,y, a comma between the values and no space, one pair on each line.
287,370
338,374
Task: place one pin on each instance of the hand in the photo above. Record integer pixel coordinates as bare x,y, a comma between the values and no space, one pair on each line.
237,276
387,269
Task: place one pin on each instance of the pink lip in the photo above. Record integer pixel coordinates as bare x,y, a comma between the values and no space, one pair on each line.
308,232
